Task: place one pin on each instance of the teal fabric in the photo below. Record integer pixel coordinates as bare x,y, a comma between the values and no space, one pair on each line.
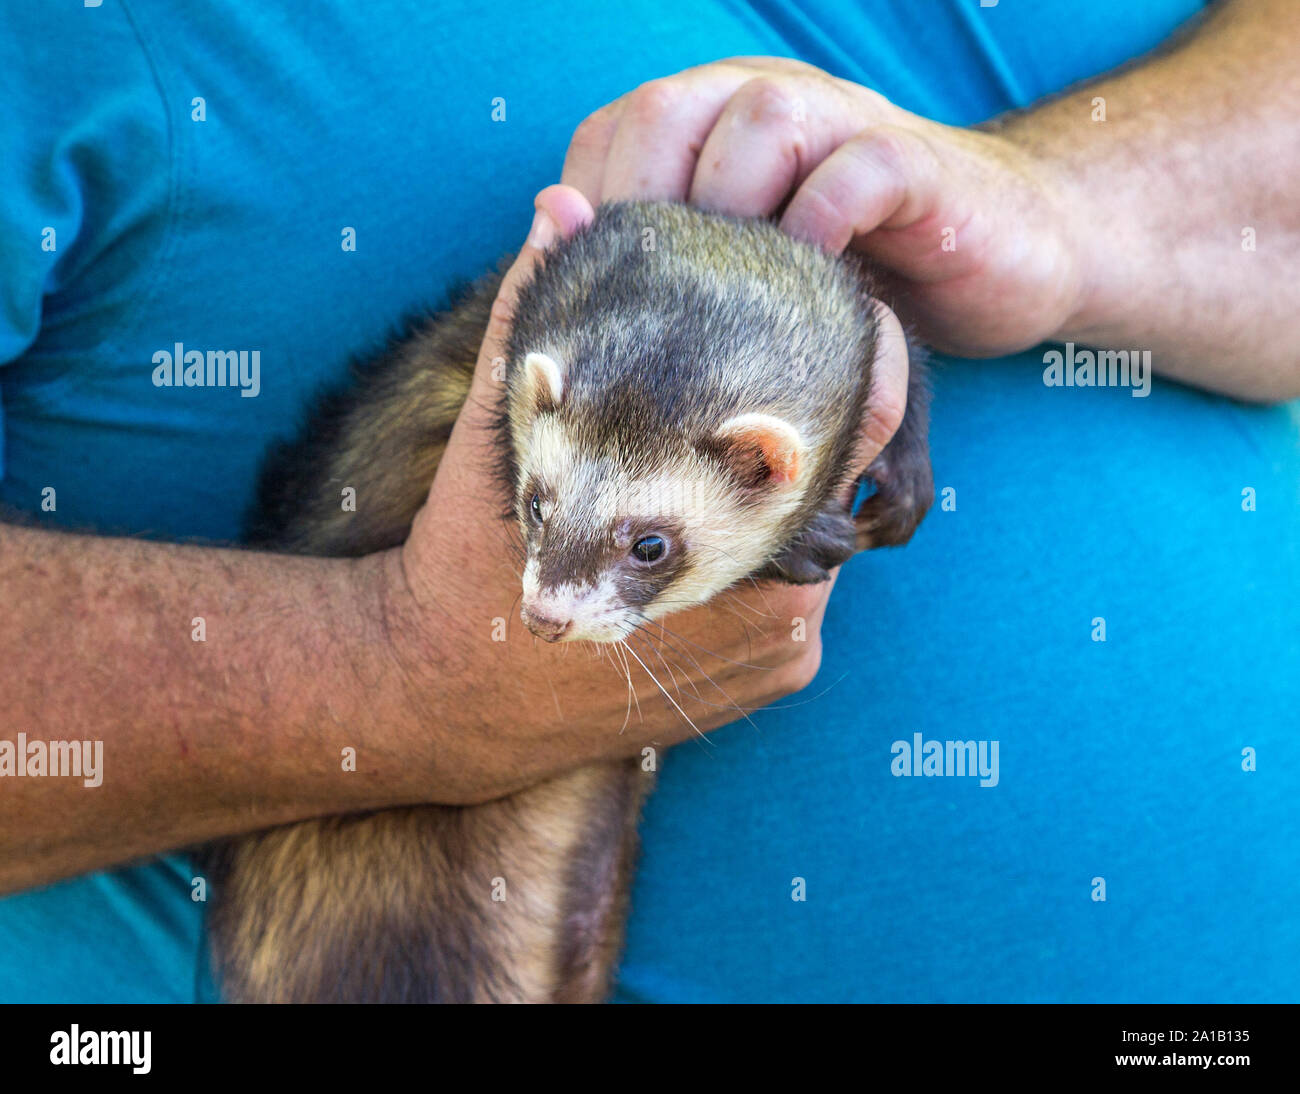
1119,760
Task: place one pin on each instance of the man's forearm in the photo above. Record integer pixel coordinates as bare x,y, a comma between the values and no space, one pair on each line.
1188,197
223,685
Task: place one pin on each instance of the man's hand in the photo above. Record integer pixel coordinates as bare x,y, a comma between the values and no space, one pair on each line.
1064,222
751,136
389,658
521,708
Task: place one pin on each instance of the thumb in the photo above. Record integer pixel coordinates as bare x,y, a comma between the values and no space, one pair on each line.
886,401
465,484
561,211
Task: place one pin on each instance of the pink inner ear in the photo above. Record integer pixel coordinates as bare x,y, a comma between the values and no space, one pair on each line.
544,380
778,448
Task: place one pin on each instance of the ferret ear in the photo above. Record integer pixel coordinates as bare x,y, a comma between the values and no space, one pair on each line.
543,381
758,449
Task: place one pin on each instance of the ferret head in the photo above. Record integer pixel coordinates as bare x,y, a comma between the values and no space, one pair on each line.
621,525
683,393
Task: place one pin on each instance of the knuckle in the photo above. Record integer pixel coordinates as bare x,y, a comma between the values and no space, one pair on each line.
654,101
766,101
591,131
885,149
884,417
502,313
869,96
825,207
886,144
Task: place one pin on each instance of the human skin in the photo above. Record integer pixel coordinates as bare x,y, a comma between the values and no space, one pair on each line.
1124,232
391,655
1112,233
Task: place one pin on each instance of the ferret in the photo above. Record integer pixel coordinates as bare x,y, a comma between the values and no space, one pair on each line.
682,395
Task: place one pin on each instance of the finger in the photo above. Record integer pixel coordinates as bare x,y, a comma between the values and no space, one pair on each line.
806,602
560,211
885,177
584,162
768,611
886,400
767,140
590,147
662,126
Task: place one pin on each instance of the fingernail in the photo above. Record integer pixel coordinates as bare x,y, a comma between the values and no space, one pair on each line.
542,233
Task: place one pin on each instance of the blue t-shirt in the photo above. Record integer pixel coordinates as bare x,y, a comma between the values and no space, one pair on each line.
190,174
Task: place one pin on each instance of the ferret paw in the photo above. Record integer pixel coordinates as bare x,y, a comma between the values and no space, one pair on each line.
826,543
904,494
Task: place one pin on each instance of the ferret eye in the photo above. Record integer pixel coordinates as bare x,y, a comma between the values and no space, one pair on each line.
535,507
649,549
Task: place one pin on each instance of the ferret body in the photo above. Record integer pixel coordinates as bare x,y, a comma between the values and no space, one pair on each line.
683,394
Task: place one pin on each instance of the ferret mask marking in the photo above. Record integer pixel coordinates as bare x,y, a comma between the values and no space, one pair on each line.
580,570
594,509
715,503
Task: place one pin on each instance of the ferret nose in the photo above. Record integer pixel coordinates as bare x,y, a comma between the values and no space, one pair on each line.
544,626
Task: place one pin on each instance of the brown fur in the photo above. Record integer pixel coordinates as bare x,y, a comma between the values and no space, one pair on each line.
398,905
